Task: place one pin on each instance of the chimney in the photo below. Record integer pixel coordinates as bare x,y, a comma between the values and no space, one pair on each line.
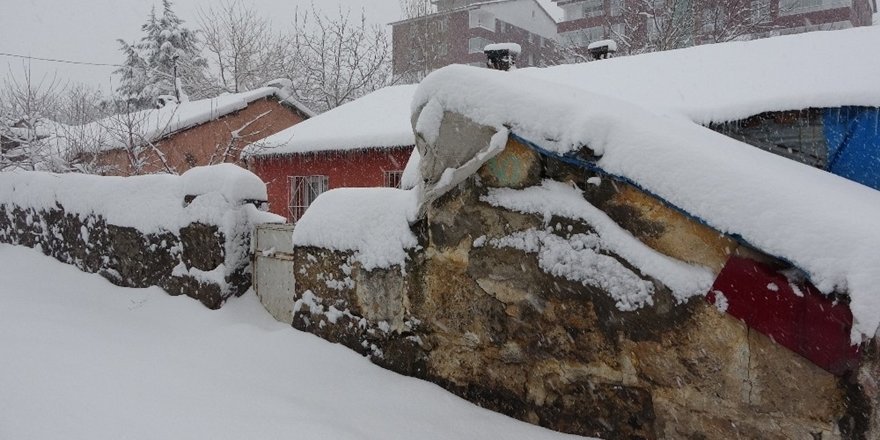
602,49
502,56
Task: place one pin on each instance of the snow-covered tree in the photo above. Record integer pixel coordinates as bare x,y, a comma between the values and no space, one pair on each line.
167,50
244,51
338,59
27,110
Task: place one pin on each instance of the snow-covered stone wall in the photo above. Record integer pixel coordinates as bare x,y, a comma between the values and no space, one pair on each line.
188,234
563,297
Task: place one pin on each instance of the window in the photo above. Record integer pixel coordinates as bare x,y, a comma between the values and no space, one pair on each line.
476,44
788,7
482,19
393,178
582,37
572,12
303,191
594,8
616,7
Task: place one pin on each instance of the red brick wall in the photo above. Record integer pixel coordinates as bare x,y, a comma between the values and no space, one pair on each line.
196,145
360,168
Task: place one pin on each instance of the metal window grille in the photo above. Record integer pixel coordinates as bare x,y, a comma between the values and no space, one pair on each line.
303,191
393,178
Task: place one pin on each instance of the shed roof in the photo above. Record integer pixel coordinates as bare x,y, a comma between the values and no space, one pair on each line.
378,120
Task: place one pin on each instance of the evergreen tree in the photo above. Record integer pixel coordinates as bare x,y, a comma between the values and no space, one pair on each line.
150,64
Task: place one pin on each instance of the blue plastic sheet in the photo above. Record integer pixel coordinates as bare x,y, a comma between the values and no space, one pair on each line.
853,135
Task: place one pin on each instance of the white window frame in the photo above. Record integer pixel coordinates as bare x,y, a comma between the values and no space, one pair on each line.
303,192
481,19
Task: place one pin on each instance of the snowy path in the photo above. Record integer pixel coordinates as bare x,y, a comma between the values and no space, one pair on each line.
83,359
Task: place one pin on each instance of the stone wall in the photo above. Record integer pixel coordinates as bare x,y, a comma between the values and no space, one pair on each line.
187,234
490,325
125,256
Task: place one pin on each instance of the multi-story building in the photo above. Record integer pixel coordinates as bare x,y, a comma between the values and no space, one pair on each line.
648,25
459,30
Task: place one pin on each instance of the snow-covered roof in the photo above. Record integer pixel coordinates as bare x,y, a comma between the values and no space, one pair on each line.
154,124
731,81
823,224
378,120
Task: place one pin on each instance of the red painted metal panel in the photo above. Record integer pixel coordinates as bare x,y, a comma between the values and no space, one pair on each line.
794,315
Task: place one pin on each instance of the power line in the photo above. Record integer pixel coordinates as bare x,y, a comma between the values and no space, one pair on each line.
55,60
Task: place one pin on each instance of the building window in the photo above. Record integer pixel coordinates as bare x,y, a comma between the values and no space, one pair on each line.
393,178
594,8
582,37
616,7
303,191
788,7
476,44
482,19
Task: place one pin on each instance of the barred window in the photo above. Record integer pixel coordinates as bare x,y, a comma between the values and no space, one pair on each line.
303,191
393,178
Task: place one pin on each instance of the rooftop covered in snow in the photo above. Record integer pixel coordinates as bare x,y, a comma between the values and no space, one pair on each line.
732,81
154,124
646,135
378,120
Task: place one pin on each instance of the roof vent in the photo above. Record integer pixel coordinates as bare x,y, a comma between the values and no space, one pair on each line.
502,56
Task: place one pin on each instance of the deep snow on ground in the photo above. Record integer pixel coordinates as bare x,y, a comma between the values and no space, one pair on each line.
83,359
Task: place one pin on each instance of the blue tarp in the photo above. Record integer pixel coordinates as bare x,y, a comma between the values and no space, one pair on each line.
853,136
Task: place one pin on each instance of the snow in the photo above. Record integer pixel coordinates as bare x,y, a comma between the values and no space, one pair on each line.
411,175
371,222
150,204
235,183
731,81
578,260
821,223
509,47
83,359
721,302
378,120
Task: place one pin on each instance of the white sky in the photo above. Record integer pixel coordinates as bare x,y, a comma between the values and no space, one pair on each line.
86,30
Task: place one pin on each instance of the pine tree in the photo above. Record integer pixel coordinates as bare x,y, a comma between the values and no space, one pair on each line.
150,64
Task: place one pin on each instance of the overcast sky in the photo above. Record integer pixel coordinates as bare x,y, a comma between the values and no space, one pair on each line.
86,30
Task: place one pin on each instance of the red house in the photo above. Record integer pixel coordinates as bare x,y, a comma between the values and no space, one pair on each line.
177,137
364,143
